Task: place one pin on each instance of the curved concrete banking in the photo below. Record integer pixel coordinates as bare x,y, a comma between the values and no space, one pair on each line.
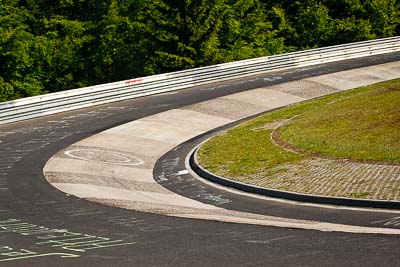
115,167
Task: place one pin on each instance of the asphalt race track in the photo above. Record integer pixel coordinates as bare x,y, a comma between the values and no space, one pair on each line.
41,226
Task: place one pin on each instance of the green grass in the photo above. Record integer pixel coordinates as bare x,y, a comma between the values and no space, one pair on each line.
364,127
360,124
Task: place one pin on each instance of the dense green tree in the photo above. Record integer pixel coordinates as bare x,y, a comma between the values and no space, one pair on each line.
314,24
352,30
17,54
384,16
247,32
48,46
285,31
183,33
119,51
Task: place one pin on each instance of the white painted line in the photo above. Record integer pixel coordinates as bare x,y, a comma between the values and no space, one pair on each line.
115,107
104,192
295,224
270,240
94,155
271,79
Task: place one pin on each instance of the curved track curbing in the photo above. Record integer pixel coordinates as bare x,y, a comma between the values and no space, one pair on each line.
352,202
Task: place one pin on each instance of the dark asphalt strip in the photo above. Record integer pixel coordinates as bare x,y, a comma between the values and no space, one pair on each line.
40,226
166,174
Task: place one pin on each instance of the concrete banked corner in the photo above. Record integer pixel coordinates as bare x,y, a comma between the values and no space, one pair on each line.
115,167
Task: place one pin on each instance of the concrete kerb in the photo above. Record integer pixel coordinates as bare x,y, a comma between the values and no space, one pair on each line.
288,195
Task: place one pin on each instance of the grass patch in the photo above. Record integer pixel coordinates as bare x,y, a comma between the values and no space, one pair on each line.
363,127
361,124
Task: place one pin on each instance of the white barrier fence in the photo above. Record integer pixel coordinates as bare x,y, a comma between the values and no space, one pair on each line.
32,107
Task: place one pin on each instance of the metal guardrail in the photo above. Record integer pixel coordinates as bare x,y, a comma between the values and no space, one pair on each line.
37,106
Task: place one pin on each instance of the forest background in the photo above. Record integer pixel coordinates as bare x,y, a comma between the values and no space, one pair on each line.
54,45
